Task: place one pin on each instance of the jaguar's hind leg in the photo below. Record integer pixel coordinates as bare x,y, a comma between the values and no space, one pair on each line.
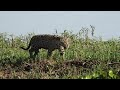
49,54
36,53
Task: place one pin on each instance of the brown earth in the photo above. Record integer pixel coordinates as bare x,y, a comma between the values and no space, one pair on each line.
46,66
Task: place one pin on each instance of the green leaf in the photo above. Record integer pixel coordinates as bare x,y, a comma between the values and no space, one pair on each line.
111,74
95,75
88,77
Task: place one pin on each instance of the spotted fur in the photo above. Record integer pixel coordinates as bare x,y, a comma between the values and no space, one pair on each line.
49,42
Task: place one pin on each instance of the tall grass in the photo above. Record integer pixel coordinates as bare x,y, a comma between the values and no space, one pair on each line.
84,45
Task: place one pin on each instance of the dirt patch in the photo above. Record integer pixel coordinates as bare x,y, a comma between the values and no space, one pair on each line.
46,65
52,68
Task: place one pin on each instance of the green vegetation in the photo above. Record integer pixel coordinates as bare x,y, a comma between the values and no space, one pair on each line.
86,58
